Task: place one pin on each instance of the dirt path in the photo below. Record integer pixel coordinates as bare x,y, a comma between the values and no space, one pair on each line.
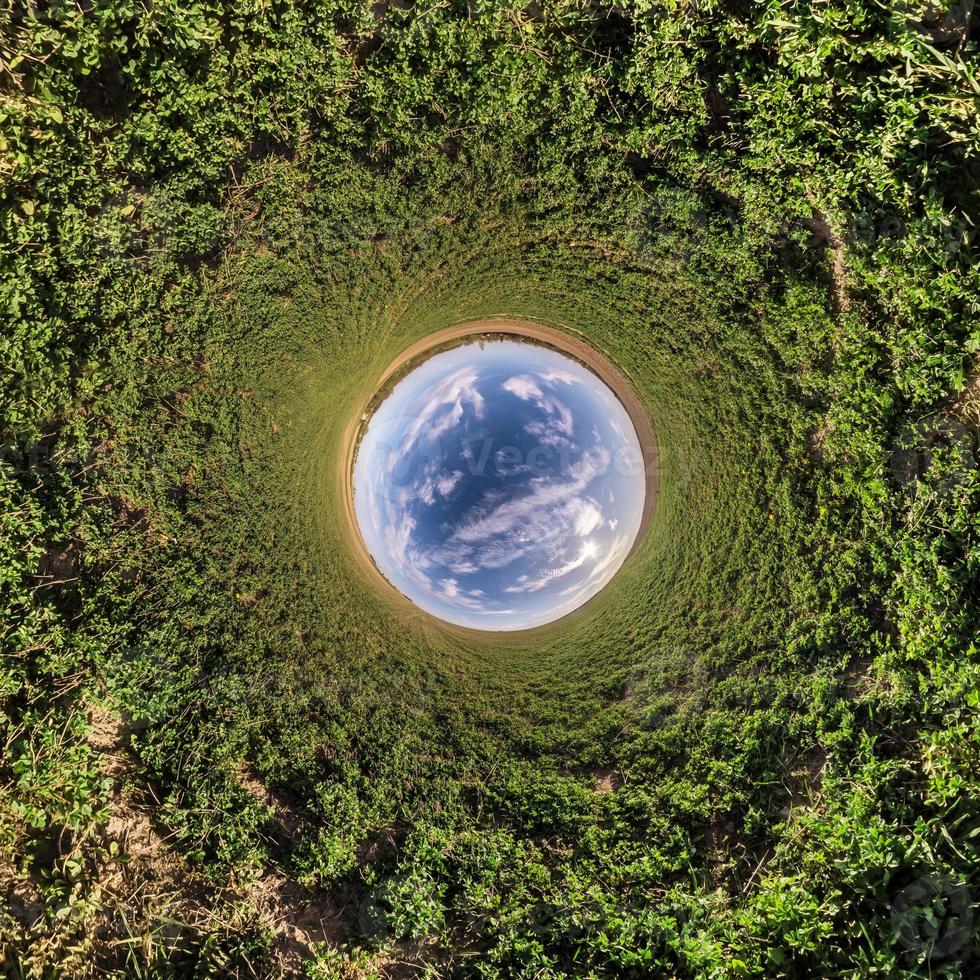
563,340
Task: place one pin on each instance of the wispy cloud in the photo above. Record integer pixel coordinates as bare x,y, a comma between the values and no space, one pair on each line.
532,507
450,592
556,376
526,387
523,386
442,410
442,484
553,574
447,483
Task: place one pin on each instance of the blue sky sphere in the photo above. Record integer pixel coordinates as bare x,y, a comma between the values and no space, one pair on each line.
500,485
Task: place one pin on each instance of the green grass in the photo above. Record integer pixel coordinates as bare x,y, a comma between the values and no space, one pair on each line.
754,755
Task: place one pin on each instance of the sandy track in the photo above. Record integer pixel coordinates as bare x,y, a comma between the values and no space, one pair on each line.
563,340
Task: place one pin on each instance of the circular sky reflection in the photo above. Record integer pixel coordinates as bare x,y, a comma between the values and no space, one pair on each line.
500,485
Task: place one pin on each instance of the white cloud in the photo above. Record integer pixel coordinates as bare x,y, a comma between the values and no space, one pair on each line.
443,484
447,483
553,574
555,375
588,517
526,388
451,393
548,434
454,595
535,506
523,386
398,536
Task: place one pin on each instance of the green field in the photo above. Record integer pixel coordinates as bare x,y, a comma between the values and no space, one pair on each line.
224,751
